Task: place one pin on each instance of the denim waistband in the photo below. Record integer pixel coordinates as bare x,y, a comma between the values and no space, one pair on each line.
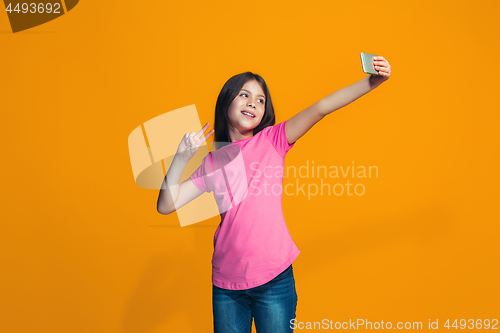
285,272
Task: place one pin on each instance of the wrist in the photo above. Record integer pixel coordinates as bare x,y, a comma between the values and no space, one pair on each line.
376,80
179,160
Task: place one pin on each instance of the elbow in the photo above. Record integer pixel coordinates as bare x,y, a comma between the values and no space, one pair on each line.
322,109
162,212
165,210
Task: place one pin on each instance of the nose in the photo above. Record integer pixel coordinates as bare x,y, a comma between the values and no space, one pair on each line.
252,104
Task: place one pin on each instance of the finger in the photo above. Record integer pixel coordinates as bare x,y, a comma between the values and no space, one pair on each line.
190,139
192,142
209,134
205,138
381,62
200,133
383,66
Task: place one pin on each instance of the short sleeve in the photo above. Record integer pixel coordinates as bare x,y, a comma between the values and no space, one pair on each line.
198,176
277,135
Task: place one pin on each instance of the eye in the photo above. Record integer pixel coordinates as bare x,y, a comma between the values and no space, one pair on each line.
262,100
243,94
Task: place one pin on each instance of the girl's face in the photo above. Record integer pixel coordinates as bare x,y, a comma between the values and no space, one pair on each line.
247,109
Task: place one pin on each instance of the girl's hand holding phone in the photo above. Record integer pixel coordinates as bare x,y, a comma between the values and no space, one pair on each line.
191,142
383,68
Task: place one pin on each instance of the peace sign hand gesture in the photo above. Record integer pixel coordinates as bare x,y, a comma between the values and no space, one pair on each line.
191,142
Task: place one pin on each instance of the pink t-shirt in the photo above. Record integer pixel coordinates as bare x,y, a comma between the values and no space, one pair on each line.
252,244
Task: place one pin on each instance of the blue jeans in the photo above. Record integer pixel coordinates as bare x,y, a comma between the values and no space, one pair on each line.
272,305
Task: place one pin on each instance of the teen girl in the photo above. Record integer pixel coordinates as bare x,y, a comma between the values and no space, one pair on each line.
252,272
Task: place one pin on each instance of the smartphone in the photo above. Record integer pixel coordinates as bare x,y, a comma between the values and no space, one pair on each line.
367,63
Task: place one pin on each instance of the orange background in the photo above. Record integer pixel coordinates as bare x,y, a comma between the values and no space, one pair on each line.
84,249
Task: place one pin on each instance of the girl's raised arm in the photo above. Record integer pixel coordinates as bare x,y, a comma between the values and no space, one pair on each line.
173,195
302,122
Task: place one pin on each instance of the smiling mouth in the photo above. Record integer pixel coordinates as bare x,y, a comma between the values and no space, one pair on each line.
246,113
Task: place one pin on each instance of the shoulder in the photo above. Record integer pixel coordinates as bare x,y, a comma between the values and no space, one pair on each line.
276,134
277,128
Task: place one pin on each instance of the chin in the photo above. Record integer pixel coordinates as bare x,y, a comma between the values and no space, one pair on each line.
248,128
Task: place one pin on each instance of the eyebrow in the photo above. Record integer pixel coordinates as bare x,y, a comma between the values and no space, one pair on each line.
257,95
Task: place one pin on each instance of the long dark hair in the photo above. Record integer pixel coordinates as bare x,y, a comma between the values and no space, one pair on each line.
228,93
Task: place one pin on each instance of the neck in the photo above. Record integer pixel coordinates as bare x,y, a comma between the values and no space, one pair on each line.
235,135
